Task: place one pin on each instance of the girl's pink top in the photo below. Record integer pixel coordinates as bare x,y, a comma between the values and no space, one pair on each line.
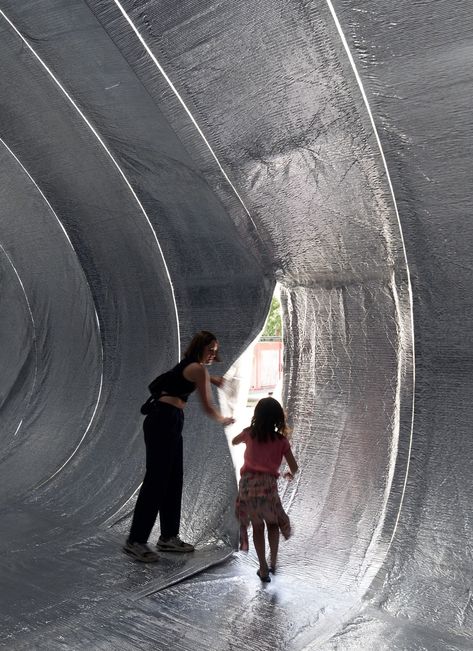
263,457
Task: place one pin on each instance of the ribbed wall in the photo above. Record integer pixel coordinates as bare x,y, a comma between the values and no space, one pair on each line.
162,166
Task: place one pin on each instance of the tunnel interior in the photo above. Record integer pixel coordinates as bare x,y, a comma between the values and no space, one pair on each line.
162,167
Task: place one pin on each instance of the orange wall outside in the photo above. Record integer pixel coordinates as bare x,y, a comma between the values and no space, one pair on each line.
267,365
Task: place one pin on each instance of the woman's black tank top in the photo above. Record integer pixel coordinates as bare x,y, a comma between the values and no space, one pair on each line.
175,384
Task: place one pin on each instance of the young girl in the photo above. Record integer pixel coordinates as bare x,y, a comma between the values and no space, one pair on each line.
258,500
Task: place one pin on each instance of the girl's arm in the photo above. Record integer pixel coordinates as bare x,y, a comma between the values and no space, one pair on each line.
292,463
199,374
239,438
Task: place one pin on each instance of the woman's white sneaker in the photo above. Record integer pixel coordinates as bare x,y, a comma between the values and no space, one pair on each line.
141,552
173,544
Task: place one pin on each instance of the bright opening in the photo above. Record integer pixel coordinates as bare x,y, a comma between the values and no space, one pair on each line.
256,374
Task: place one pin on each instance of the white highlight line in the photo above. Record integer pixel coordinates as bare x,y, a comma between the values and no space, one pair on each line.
35,342
184,106
56,472
122,174
378,140
110,155
95,311
41,193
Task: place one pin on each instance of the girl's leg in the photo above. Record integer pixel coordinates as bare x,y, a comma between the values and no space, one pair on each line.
258,539
273,539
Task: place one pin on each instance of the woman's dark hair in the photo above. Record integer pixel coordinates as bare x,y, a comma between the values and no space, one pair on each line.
269,421
195,349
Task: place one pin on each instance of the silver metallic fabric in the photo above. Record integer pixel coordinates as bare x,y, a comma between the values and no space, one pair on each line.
162,166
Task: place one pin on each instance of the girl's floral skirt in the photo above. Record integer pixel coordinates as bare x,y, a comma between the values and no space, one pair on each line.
258,502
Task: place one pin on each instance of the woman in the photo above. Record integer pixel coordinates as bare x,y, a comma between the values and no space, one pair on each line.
161,490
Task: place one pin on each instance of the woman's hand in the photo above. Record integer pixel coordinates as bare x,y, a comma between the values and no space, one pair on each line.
288,475
198,374
217,381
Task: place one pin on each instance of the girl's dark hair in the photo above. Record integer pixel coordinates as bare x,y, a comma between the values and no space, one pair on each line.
269,421
195,349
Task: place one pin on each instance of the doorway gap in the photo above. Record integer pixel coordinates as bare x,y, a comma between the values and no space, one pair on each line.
256,374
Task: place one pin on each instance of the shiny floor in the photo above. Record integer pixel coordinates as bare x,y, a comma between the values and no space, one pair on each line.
77,590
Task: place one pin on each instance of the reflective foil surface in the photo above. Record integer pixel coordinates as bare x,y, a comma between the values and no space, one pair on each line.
162,166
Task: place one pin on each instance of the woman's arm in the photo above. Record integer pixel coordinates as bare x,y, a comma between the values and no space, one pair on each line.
217,380
199,374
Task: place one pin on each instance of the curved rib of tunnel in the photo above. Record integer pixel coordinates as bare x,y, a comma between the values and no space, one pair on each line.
162,167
